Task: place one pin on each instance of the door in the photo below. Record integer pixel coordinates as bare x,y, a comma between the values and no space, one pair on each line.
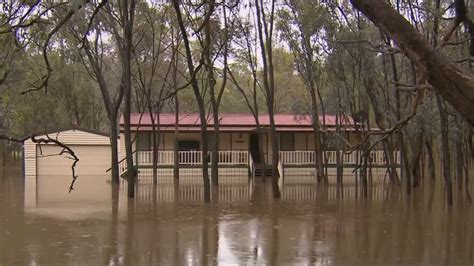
254,147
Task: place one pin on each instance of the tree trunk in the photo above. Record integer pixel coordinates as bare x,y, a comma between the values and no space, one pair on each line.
128,11
431,163
211,83
205,160
113,136
339,160
154,135
391,162
388,145
176,143
459,163
405,164
275,157
363,176
265,43
317,138
215,155
445,150
111,108
415,162
199,100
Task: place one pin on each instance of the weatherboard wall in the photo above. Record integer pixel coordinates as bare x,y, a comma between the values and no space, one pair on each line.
32,151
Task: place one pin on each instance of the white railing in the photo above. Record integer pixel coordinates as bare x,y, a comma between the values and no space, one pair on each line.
122,167
233,157
190,157
145,158
330,157
297,157
163,158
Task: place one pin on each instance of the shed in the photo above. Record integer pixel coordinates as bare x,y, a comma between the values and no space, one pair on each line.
46,172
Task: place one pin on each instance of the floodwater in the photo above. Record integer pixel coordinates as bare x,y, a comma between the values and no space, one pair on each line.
169,224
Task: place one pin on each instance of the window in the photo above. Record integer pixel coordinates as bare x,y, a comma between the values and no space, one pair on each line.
287,141
143,141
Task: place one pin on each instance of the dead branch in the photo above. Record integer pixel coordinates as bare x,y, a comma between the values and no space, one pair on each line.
48,140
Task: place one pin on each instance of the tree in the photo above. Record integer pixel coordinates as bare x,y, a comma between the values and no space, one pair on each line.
265,36
448,80
301,25
198,93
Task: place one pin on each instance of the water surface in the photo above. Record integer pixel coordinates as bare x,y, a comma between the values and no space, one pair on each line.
168,224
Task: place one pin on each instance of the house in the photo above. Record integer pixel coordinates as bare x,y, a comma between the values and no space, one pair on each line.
239,143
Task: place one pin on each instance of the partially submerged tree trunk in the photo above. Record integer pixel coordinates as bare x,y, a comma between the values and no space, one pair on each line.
113,136
155,134
405,163
431,163
459,164
175,141
252,101
265,45
318,147
445,150
111,106
128,13
415,161
215,97
339,152
199,98
387,144
299,40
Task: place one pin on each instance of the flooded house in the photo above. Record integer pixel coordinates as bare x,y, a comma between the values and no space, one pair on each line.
240,146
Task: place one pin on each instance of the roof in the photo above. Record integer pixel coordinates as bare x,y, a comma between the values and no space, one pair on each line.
51,132
234,120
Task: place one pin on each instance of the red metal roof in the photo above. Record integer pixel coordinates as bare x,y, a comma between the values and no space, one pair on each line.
241,121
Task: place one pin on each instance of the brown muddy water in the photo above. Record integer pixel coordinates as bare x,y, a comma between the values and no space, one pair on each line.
169,225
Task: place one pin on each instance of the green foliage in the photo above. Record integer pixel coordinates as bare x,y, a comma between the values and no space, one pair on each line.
72,99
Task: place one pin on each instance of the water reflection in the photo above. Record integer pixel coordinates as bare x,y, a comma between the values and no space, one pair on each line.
168,224
189,189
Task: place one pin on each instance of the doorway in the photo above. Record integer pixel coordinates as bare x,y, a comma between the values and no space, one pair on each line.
254,148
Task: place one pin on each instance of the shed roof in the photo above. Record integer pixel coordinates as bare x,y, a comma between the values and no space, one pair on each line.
51,132
72,136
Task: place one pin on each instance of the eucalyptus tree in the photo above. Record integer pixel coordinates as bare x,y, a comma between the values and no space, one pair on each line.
106,37
188,29
265,17
120,18
451,82
100,59
217,37
243,75
434,64
302,25
153,61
